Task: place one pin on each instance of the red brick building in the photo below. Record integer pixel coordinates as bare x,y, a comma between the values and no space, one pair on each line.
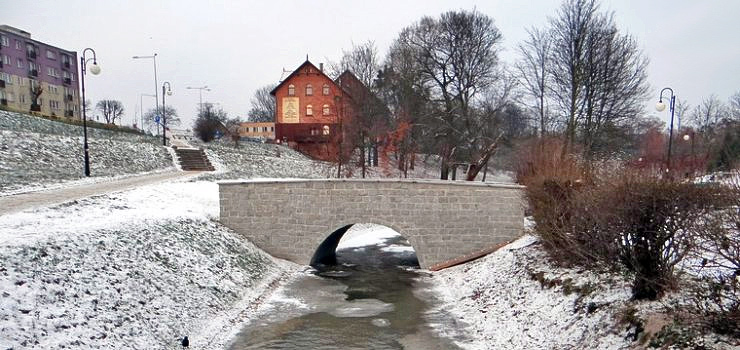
311,109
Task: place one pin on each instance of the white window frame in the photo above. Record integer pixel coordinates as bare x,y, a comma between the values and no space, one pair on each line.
51,55
326,110
291,90
309,90
4,41
309,110
325,90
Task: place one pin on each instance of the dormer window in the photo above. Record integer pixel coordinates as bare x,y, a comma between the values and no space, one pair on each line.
326,109
309,110
325,90
291,90
309,90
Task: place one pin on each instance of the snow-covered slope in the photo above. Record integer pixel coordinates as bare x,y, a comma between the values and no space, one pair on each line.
136,269
259,160
36,152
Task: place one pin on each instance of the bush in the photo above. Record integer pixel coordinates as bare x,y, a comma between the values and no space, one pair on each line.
717,295
597,214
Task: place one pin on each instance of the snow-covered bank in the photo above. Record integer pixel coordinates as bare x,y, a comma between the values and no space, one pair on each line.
505,300
515,299
36,153
136,269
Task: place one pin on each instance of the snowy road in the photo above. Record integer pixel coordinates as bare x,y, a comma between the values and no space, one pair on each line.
20,202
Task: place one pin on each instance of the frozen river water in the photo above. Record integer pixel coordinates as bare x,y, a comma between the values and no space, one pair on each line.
375,298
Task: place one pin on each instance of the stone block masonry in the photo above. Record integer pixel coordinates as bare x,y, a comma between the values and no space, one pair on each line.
442,220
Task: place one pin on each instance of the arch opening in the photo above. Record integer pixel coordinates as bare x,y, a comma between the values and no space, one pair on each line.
365,244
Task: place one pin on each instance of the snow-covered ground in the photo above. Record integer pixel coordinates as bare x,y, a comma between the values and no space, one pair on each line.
259,160
515,299
136,269
36,153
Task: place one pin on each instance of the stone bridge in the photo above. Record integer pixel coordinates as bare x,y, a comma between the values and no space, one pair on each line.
303,220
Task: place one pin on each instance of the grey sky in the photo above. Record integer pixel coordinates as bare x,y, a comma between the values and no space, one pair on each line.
235,47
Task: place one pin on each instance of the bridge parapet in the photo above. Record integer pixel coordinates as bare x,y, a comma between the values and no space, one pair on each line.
442,220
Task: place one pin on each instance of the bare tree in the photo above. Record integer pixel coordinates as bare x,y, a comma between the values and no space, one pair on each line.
361,60
209,122
709,113
735,107
112,110
263,105
457,57
533,72
599,75
173,120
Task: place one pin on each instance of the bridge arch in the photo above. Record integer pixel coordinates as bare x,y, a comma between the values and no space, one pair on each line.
442,220
325,252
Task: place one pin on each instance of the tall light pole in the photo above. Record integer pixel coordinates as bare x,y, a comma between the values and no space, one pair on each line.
200,95
164,111
156,84
141,106
660,106
95,70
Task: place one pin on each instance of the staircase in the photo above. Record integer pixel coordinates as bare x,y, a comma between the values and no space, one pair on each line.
192,159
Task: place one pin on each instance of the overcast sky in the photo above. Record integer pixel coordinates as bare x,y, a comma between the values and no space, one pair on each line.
235,47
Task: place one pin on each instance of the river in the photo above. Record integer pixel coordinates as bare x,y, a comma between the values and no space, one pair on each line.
374,298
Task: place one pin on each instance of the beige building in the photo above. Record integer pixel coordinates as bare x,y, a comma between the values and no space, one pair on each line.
262,131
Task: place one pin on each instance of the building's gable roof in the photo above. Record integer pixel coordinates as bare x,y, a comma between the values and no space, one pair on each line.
295,72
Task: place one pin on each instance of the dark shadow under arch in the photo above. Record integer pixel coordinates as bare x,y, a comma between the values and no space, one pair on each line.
326,252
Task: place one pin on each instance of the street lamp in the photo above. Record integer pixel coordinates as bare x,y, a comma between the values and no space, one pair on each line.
95,70
156,85
660,106
200,95
164,111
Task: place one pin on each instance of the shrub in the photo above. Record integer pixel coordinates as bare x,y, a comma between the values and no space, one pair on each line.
716,297
595,214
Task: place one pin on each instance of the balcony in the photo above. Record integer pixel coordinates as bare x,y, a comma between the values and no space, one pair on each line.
65,65
68,97
67,81
1,62
31,54
33,73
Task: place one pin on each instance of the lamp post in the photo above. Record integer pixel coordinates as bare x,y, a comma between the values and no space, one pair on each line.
156,85
200,95
660,106
691,136
164,112
95,70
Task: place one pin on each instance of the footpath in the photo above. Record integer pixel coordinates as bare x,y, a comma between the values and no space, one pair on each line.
23,201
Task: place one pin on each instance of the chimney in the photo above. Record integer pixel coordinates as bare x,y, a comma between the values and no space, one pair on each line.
321,67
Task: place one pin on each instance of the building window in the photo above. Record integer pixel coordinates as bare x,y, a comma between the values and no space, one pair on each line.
309,110
4,40
309,90
19,63
5,77
10,97
314,131
18,45
325,90
6,59
54,104
52,72
326,109
326,129
291,90
264,129
51,55
22,98
272,129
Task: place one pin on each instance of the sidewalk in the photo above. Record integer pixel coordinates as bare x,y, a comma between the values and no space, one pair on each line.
20,202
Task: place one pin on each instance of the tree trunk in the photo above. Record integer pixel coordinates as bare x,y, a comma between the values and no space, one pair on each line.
478,164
